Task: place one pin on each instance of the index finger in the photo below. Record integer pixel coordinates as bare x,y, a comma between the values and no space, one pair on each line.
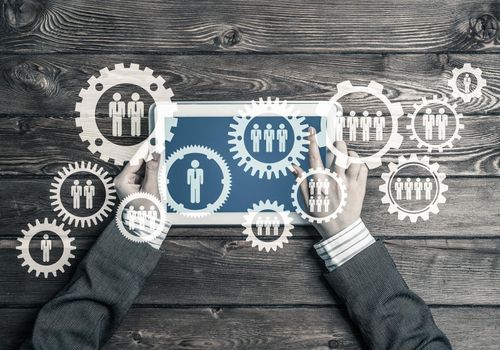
315,161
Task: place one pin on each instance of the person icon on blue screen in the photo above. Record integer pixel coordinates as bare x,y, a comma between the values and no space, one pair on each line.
256,136
195,179
282,136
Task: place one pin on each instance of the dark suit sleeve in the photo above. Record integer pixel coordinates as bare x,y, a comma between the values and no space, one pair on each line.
388,314
84,314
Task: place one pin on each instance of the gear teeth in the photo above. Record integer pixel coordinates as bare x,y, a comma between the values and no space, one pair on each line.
263,108
424,162
179,154
379,88
107,150
24,247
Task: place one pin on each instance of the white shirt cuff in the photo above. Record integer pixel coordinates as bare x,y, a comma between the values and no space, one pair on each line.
346,244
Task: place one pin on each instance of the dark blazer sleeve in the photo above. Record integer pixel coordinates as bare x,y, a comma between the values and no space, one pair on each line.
84,314
388,314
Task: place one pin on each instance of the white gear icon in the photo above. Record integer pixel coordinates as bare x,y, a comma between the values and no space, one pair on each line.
480,82
122,75
395,139
159,225
443,102
106,181
24,247
266,108
413,214
332,215
286,220
211,155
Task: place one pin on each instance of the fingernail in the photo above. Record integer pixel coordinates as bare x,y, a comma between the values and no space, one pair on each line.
312,131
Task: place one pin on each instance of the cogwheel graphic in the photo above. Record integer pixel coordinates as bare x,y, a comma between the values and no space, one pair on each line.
159,225
480,82
438,178
286,220
123,75
332,215
24,247
435,101
56,198
266,108
211,155
395,139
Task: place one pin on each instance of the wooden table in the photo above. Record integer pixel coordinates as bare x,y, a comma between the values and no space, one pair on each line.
212,290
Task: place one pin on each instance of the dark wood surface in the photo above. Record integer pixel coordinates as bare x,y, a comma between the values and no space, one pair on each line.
212,290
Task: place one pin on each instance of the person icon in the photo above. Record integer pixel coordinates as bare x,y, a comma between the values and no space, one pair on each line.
276,226
135,110
131,218
326,204
418,186
153,217
352,124
428,188
256,137
326,187
312,186
428,122
259,224
269,138
141,218
282,136
319,203
441,123
117,113
267,225
312,204
398,186
195,178
379,125
89,193
408,186
467,83
365,123
339,127
76,194
46,247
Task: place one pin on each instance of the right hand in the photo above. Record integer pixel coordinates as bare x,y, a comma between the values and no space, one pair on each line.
354,177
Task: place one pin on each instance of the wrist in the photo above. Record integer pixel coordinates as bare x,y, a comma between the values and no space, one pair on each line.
337,226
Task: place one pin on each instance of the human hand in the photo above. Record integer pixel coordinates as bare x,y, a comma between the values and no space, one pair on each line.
142,177
354,178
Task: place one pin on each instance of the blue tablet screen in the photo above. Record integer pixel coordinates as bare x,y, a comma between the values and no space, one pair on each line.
195,173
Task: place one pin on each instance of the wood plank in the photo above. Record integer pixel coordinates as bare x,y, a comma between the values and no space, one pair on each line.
251,328
230,272
242,26
50,84
42,146
28,200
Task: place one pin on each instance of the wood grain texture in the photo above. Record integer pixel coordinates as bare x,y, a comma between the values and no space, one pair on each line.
242,26
259,328
28,200
42,146
49,85
231,272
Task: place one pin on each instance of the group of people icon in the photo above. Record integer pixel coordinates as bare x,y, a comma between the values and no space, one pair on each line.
134,111
265,224
140,218
430,120
87,191
365,122
269,135
318,200
416,186
195,179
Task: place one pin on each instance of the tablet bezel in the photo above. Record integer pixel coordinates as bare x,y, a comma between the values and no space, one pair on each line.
187,109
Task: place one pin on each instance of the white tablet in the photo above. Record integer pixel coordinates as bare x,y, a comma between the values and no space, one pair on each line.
219,162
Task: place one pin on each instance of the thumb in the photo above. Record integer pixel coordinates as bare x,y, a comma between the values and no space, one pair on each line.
150,183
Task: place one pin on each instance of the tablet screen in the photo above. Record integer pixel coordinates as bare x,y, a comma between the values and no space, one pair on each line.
204,161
